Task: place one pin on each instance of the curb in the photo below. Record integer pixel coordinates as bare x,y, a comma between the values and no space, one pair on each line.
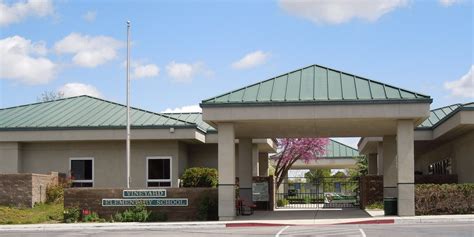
110,226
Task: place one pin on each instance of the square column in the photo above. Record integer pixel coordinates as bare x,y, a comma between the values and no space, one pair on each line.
389,166
263,164
406,168
372,163
245,168
380,158
226,171
255,161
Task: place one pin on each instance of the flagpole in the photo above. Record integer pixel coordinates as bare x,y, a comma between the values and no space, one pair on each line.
128,104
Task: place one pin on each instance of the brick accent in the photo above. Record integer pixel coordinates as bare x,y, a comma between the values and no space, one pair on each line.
24,190
91,199
371,189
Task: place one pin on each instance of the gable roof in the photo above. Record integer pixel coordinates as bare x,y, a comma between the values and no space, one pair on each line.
337,149
439,115
193,117
82,112
317,85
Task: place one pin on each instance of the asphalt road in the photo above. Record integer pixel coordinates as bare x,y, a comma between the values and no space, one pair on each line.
384,230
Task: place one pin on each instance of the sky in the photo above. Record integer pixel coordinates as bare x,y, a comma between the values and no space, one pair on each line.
183,52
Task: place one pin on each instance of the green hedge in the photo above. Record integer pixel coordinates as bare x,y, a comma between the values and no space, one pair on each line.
439,199
199,177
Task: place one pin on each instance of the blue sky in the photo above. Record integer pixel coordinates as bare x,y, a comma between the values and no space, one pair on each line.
186,51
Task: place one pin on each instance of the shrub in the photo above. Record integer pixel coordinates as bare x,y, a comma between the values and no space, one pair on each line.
200,177
72,215
375,205
138,213
92,217
282,202
55,194
437,199
207,209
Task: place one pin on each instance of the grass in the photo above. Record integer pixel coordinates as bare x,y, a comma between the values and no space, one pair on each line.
41,213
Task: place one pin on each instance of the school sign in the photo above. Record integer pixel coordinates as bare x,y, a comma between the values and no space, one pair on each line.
147,197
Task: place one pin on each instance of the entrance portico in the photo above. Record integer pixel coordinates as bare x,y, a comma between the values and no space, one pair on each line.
317,102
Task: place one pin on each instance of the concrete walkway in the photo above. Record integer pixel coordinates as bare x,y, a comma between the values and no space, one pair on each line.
305,216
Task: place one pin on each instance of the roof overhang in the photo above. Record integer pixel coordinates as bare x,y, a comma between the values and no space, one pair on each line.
327,163
264,144
316,120
101,134
453,126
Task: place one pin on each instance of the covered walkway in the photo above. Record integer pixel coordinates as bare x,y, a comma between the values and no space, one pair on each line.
316,101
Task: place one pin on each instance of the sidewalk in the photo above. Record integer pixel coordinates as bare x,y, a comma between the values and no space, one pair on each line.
241,223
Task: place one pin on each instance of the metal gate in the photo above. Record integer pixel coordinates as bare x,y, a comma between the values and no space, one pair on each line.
334,192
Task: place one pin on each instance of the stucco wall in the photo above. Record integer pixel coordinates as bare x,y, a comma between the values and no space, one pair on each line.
460,150
9,157
202,155
109,159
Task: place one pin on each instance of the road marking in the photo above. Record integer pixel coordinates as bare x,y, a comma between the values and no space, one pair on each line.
362,232
281,231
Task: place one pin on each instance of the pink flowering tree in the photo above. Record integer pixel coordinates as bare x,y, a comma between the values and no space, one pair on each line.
294,149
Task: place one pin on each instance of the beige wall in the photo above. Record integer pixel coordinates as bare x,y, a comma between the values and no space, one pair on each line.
109,159
461,152
10,161
202,155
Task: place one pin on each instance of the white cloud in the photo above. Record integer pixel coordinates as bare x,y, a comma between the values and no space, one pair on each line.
340,11
251,60
76,89
89,51
144,70
184,72
16,12
350,141
90,16
25,61
184,109
448,3
464,87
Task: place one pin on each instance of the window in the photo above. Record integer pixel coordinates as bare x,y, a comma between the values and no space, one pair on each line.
158,171
82,172
440,167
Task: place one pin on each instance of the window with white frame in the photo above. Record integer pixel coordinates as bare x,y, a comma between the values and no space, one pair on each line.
158,171
82,171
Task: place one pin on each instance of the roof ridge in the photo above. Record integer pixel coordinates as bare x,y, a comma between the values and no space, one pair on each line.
416,94
45,102
103,100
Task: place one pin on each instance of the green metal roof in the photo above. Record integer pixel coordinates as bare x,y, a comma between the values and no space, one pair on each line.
336,149
439,115
316,84
195,118
81,112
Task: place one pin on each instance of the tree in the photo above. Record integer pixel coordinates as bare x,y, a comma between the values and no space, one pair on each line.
50,96
361,169
294,149
314,175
